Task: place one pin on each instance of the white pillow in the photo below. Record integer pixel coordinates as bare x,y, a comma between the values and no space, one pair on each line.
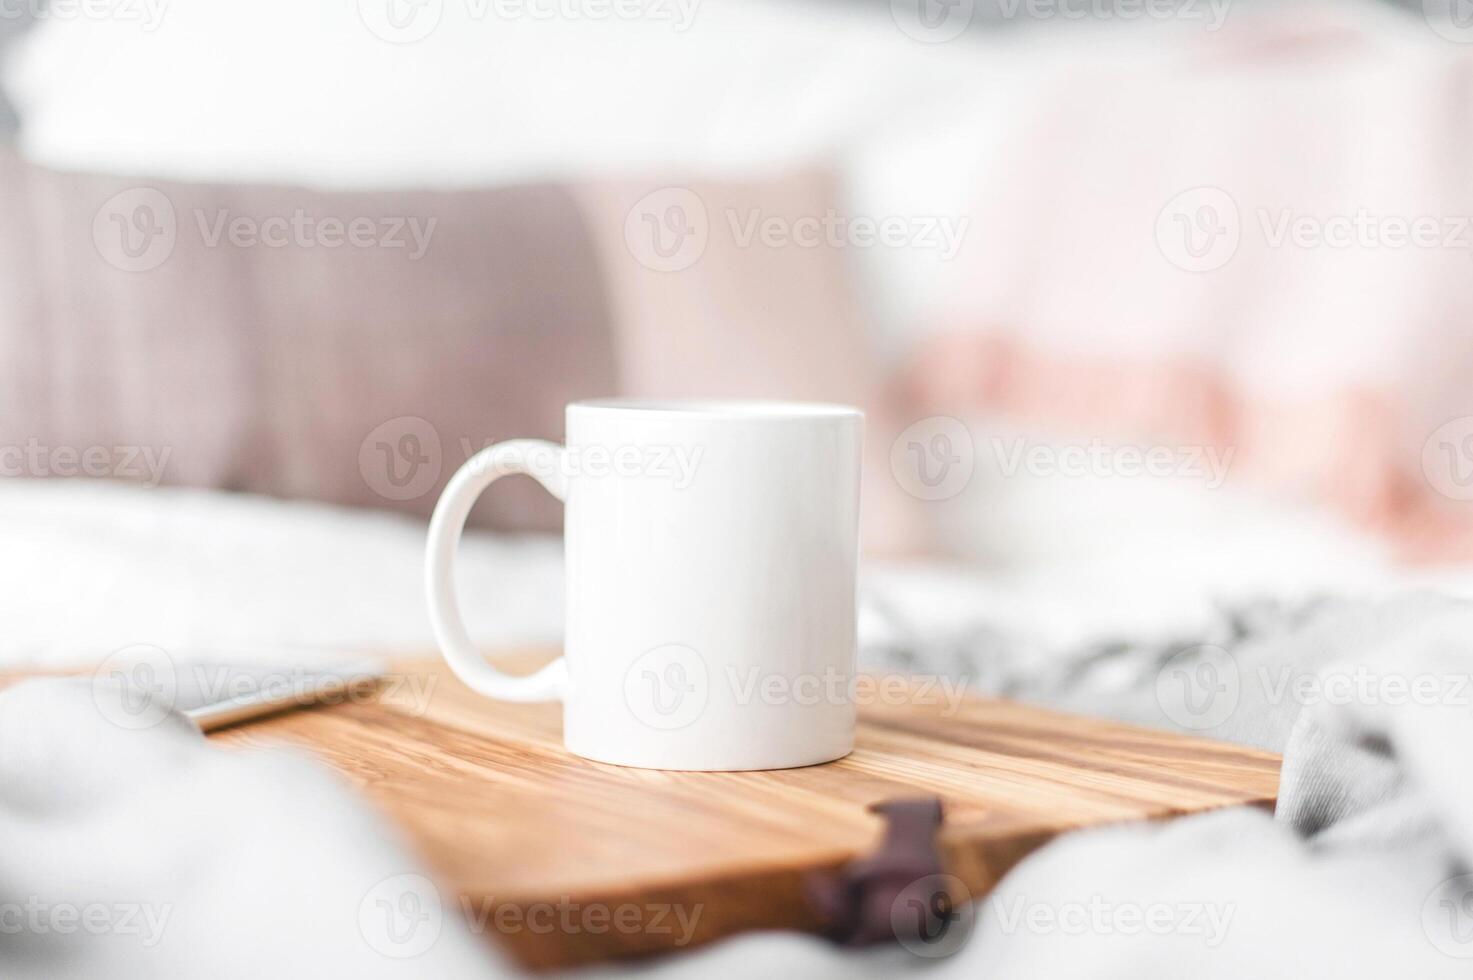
320,93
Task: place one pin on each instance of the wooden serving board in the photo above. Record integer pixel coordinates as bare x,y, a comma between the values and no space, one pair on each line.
493,802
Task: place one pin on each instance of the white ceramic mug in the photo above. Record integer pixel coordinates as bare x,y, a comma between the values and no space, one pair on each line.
711,556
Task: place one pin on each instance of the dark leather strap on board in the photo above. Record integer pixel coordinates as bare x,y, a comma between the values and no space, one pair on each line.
857,903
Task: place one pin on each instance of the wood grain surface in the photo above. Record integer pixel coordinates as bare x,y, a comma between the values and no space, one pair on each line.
514,825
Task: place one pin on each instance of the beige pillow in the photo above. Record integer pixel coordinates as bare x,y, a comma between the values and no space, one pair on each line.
269,339
357,347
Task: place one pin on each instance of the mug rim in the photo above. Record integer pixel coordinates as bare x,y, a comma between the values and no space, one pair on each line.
744,409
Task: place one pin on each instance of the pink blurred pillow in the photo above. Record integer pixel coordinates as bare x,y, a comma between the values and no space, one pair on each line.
1168,264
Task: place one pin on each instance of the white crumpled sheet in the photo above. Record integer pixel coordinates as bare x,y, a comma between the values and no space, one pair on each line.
146,853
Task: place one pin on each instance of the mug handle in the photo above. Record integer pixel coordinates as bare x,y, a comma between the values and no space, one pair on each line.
539,460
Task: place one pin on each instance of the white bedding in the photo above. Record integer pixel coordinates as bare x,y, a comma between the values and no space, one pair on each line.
91,567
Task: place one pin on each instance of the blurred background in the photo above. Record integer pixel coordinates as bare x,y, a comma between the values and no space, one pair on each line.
1152,305
1159,312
